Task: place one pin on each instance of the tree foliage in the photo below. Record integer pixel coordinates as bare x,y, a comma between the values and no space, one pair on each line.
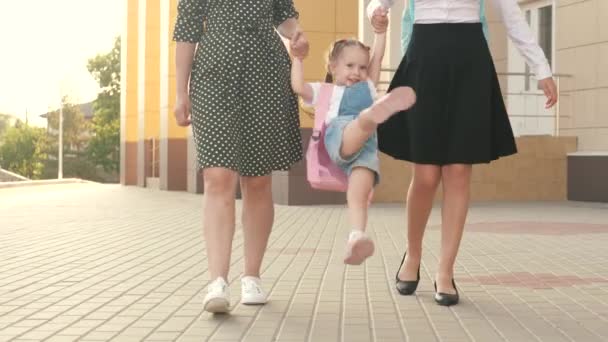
104,147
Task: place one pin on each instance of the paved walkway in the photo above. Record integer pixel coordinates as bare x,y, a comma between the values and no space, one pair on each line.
91,262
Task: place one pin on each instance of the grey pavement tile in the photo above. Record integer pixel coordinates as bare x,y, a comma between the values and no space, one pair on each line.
140,274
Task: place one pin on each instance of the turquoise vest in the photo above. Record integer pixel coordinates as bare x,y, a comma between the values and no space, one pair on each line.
407,23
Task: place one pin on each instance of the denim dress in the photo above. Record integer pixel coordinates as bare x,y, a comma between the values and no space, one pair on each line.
355,99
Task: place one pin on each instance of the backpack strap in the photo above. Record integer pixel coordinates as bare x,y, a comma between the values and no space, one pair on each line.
484,20
407,26
321,109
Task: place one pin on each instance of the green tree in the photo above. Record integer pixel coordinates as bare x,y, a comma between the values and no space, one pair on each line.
104,147
5,124
22,150
75,127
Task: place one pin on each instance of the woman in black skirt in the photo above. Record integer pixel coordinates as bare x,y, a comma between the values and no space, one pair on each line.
459,119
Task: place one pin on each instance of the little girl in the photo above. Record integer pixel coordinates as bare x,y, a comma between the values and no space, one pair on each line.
350,137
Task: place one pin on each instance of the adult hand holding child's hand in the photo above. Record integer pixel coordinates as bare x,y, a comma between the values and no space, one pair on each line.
299,45
380,20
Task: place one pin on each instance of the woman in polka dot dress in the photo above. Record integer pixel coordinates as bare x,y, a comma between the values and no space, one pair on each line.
233,85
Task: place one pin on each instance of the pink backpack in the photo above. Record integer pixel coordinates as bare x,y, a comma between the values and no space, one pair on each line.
322,173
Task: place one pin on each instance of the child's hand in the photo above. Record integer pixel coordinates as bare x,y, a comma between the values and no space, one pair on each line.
380,20
299,45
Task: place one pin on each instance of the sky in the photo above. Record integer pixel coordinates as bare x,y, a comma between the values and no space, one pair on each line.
45,46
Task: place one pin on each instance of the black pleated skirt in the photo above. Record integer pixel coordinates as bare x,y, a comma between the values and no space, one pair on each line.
460,116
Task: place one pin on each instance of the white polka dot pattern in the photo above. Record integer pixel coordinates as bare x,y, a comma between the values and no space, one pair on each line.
244,113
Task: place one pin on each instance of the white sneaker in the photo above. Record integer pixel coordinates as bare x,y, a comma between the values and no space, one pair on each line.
252,292
358,248
217,299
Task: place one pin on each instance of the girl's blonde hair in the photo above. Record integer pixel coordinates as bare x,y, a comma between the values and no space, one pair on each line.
336,50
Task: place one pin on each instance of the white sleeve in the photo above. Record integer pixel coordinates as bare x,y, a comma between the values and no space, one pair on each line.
523,38
316,88
372,89
374,4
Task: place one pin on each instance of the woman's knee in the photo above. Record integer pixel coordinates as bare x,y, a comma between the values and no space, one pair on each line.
219,181
427,177
456,175
252,185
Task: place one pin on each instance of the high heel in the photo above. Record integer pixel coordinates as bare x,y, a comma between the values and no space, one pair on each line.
406,287
446,299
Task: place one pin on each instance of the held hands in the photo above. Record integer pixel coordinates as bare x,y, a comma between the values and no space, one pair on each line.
299,45
550,90
379,20
182,110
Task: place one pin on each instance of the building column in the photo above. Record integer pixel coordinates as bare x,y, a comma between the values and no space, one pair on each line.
124,49
129,94
164,94
173,162
141,94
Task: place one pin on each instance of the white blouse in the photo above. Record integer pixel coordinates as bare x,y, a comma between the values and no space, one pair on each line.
467,11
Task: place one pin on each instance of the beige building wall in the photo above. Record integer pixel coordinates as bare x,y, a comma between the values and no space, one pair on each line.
582,51
153,147
498,44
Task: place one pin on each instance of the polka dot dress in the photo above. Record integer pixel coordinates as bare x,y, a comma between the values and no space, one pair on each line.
244,113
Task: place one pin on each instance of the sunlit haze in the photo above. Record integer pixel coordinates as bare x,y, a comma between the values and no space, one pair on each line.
45,47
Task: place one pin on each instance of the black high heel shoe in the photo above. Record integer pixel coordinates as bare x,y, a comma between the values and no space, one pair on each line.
446,299
406,287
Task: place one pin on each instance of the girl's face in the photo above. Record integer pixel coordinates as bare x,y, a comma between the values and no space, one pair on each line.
351,66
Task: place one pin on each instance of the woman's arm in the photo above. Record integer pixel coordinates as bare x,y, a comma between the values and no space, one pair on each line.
187,33
523,38
285,17
288,28
184,55
521,35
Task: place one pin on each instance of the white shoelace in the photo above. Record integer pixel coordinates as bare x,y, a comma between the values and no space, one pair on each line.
217,286
251,285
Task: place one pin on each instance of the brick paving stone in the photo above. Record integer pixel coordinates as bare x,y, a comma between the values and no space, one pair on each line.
111,263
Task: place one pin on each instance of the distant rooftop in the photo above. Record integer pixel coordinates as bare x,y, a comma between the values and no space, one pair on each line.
85,108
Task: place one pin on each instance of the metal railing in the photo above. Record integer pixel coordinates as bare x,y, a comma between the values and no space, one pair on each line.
387,75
